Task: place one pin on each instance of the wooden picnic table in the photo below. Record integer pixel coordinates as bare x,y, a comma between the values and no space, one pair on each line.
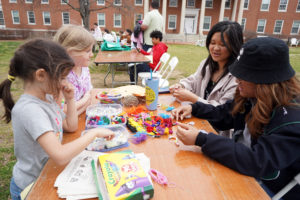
194,175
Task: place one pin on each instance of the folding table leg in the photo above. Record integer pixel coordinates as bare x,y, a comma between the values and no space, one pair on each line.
113,75
109,71
135,75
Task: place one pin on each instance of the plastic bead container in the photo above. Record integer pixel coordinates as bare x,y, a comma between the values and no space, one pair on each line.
120,140
106,98
100,114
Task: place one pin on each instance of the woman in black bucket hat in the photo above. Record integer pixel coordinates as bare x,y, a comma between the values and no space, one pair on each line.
265,115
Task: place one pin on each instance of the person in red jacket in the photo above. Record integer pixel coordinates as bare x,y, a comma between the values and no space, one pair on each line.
157,51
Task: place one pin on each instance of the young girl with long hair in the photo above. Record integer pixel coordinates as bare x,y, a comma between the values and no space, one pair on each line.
79,44
265,115
37,121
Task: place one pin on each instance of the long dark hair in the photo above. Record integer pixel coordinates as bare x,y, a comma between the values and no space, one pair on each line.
234,34
29,57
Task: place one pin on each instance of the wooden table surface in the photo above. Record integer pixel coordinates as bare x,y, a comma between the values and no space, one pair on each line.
108,57
195,176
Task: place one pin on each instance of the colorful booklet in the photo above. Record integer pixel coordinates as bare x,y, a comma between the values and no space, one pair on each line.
124,176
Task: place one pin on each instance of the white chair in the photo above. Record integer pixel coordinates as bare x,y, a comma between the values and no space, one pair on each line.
156,73
294,42
287,188
163,82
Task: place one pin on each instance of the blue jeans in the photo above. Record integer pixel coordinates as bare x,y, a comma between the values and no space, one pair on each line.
15,191
144,67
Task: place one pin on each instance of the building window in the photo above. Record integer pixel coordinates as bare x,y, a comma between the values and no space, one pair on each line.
191,3
101,19
207,22
44,1
208,3
283,5
137,18
2,22
295,27
117,20
172,22
138,2
28,1
173,3
66,18
298,7
225,18
278,26
117,2
31,18
12,1
15,16
261,26
246,4
47,19
227,4
64,1
265,4
100,2
243,24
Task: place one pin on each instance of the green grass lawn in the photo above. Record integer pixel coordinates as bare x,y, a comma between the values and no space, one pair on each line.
189,59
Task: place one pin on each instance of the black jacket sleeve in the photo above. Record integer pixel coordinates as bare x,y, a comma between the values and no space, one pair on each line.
219,116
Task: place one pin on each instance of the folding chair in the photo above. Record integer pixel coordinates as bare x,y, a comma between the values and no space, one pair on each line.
287,188
163,82
294,42
156,73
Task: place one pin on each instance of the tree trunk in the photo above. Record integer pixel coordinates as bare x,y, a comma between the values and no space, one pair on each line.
85,12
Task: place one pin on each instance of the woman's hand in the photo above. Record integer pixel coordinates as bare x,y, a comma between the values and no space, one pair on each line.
175,87
185,95
186,133
182,112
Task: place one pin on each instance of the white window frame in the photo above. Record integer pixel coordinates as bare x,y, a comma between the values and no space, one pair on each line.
120,4
42,2
262,3
29,1
3,25
100,4
169,20
12,1
117,26
175,3
98,18
207,17
276,27
298,6
265,23
138,4
229,4
135,17
28,17
295,21
189,5
63,19
243,25
286,5
44,12
212,3
64,2
13,18
247,3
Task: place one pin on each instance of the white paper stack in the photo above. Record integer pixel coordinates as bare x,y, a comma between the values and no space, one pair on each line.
76,181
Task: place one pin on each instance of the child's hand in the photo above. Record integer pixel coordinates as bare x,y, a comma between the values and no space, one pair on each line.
103,132
185,95
186,133
67,90
182,112
175,87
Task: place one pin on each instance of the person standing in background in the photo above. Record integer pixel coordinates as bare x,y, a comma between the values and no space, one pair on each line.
152,21
97,34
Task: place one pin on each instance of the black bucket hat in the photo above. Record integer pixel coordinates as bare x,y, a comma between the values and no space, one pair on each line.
263,61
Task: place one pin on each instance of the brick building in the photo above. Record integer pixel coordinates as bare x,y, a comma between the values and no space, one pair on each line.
184,19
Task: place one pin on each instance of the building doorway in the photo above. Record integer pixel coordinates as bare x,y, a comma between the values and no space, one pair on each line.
190,24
